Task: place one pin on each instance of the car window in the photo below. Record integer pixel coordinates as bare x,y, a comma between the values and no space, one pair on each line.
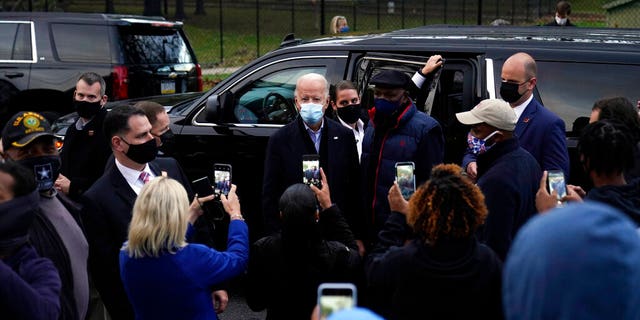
15,41
570,89
269,99
154,46
81,43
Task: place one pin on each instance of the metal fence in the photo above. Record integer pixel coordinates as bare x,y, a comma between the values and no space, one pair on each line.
233,32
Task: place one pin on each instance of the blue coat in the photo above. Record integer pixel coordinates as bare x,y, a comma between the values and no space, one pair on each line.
542,133
178,286
30,286
416,137
509,178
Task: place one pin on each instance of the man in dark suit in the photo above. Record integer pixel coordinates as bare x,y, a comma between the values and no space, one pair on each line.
312,133
85,150
540,131
108,203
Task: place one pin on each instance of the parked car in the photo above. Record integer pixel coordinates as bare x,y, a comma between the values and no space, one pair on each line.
42,54
232,122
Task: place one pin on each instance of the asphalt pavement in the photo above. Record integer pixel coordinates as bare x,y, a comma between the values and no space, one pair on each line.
237,309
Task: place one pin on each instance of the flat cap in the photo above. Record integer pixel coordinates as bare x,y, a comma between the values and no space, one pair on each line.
391,79
494,112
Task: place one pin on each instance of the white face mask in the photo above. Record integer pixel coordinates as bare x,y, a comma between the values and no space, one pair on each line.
561,21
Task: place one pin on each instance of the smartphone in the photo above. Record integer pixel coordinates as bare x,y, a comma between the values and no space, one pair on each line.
311,170
406,178
333,297
555,180
202,187
221,178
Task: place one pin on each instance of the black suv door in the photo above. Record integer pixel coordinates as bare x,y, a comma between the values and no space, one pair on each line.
17,54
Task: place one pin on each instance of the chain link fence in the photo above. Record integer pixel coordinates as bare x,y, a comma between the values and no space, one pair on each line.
227,33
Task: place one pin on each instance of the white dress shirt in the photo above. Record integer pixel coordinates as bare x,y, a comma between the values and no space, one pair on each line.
133,176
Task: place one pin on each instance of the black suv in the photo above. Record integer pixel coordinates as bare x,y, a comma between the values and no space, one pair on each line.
43,54
232,122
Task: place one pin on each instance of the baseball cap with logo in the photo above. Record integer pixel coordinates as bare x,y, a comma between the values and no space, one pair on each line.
494,112
23,128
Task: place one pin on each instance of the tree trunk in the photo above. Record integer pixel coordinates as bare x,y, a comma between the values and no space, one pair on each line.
152,8
200,8
180,10
109,7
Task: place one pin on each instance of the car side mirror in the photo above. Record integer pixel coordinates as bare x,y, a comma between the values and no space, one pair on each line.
212,109
216,105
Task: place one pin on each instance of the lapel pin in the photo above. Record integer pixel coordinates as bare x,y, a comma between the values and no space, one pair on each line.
335,138
526,120
90,133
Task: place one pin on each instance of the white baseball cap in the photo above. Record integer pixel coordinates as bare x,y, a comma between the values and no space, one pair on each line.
494,112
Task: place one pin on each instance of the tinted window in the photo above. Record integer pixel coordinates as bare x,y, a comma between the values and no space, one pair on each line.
570,89
154,46
81,43
15,41
270,99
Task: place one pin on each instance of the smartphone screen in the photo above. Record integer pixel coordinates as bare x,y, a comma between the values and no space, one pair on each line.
222,178
333,297
555,179
406,178
311,170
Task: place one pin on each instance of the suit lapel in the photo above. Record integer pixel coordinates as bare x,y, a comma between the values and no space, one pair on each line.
121,186
526,118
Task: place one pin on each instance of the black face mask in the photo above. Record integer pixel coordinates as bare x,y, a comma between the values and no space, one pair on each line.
168,142
45,168
16,217
142,153
509,92
87,109
349,114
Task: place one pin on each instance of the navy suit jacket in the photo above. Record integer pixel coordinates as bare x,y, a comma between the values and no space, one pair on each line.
106,215
338,159
542,134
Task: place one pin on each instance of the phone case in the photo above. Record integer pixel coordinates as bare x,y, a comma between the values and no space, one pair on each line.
311,170
222,178
555,181
405,178
341,296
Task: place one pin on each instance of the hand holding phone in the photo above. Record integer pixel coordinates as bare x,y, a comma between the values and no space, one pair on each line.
202,187
555,181
333,297
405,178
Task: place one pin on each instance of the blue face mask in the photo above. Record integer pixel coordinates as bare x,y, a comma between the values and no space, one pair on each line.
344,29
386,107
311,113
477,145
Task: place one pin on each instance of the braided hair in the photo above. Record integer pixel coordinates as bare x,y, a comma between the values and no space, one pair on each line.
447,206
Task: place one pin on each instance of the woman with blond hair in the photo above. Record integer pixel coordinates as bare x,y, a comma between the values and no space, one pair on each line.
339,25
442,272
164,276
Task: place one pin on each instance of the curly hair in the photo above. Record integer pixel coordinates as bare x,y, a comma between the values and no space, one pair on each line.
447,206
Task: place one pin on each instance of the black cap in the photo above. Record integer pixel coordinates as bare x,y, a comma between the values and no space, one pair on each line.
23,128
391,79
